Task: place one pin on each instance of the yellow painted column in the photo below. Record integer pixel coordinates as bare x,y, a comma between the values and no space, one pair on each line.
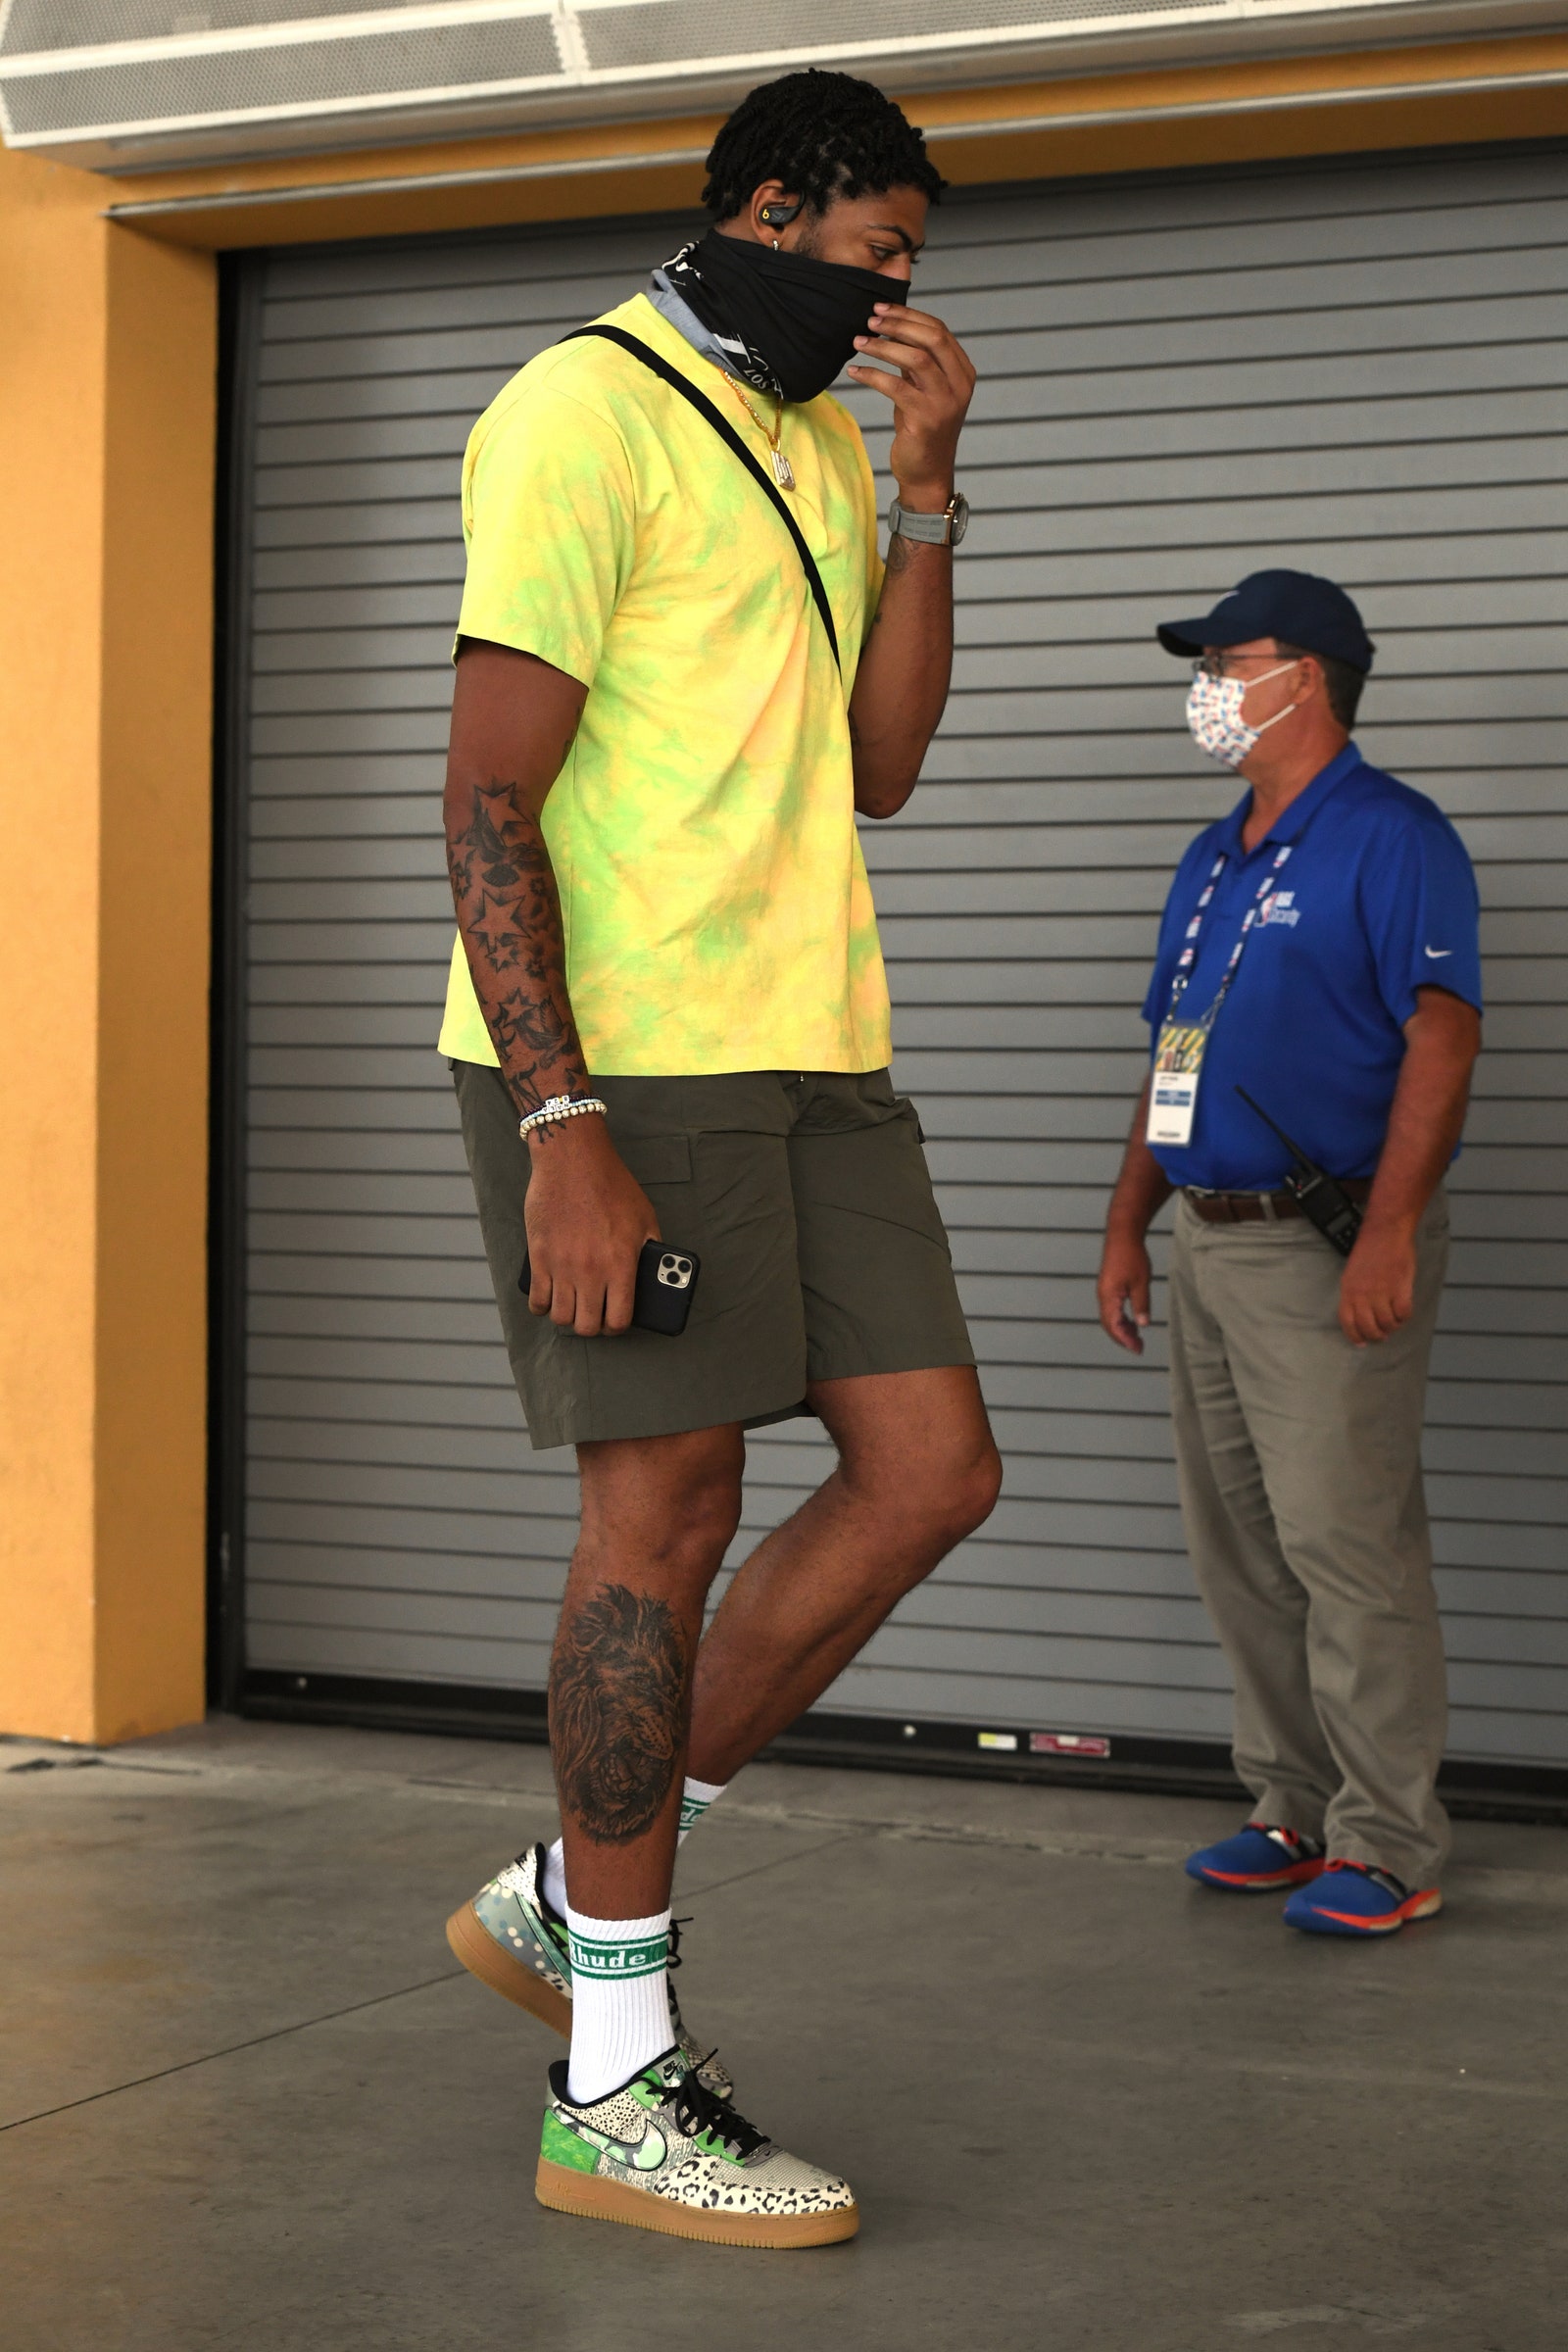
107,432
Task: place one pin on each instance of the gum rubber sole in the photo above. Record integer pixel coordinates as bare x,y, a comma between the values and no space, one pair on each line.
472,1944
603,2200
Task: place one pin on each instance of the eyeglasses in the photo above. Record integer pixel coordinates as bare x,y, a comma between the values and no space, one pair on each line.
1216,664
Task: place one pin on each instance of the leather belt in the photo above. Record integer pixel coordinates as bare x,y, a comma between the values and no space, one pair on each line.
1261,1209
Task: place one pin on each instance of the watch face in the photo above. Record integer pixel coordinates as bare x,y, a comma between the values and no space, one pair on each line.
961,519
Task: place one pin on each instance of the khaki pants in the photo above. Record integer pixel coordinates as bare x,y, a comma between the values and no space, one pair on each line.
1299,1461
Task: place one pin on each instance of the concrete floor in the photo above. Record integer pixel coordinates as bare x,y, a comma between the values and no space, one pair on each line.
249,2101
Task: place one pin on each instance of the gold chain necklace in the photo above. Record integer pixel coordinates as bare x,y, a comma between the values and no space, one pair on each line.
783,471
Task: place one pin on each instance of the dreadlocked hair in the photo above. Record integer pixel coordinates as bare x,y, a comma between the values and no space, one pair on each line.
824,135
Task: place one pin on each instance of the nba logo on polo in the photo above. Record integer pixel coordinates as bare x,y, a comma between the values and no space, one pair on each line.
1280,908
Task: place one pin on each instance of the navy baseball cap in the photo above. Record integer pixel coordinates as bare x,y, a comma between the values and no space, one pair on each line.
1296,606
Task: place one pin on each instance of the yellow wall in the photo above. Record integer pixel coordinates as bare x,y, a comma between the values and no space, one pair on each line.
107,427
106,416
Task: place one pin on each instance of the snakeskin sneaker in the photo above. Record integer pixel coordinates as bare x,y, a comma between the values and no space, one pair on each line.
664,2153
511,1940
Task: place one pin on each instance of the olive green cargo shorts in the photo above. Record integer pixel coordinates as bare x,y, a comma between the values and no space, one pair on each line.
808,1200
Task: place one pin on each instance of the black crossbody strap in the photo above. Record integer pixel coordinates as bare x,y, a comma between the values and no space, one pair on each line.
727,432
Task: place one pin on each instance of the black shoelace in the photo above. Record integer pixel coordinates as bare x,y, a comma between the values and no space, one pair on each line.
699,2109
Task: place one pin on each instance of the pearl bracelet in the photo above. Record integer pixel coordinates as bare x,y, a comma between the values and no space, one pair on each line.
562,1106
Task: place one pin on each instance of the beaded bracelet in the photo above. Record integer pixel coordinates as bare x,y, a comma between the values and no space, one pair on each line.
562,1106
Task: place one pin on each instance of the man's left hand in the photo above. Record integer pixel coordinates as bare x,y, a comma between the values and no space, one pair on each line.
930,396
1377,1290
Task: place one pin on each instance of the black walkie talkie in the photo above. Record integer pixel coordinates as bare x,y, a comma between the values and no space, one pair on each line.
1326,1203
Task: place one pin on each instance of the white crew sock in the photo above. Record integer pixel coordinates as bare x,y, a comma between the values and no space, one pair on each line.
695,1798
619,2004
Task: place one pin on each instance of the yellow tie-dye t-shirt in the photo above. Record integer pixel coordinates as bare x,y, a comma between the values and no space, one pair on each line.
715,904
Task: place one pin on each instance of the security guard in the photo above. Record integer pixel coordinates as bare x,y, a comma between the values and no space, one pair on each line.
1319,949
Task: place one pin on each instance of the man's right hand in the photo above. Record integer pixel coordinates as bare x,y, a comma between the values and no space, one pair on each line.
1123,1289
586,1218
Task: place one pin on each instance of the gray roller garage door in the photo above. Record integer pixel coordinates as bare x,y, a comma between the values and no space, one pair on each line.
1357,369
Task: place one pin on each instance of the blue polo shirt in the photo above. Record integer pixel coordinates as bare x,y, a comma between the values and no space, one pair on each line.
1376,900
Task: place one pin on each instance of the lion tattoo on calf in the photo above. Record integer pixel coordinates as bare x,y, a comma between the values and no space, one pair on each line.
617,1699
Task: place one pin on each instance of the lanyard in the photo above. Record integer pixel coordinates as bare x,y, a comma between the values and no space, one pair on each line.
1184,962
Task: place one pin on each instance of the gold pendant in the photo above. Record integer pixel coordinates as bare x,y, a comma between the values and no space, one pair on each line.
783,471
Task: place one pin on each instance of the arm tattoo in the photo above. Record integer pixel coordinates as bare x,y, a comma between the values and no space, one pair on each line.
509,912
897,561
618,1708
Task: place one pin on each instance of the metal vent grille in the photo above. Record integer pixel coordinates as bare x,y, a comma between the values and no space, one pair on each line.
660,32
43,24
114,83
299,78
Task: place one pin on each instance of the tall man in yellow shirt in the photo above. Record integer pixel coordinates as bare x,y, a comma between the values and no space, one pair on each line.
667,1017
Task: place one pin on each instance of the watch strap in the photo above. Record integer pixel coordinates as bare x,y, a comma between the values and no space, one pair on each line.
933,530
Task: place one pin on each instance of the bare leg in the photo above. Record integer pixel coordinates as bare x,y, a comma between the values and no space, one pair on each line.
917,1471
658,1515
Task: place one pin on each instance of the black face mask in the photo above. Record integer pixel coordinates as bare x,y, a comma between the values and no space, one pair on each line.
793,318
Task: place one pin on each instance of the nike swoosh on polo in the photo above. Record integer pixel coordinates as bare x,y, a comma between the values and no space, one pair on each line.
1435,953
646,2157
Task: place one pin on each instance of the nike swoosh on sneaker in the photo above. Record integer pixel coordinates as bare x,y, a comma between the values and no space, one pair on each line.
1435,953
646,2157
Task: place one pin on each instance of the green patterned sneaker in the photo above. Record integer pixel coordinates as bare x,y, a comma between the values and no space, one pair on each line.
511,1940
664,2153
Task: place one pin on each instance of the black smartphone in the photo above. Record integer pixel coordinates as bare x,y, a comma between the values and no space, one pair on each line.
667,1284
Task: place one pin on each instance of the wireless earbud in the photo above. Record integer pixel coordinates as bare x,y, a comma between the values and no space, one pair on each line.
778,216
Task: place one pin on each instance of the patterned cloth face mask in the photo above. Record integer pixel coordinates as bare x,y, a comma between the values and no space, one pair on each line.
1215,715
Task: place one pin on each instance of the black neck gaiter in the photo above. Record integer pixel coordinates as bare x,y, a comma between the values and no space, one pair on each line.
787,322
